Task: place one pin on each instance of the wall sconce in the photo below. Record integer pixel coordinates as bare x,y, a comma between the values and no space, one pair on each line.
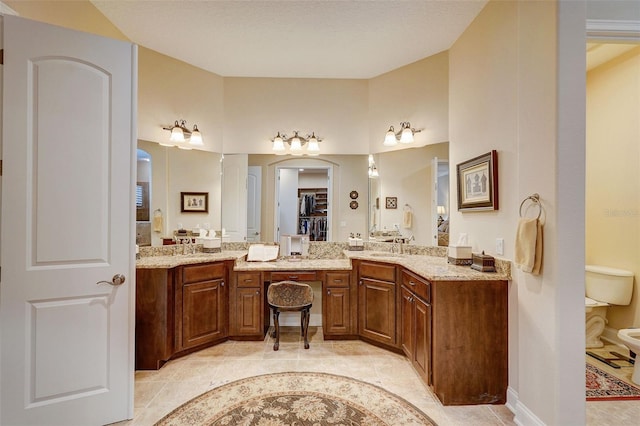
180,134
373,170
405,135
296,142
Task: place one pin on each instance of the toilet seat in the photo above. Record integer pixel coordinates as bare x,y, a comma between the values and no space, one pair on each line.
591,303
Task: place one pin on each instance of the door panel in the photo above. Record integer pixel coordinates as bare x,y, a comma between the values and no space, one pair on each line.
67,215
254,200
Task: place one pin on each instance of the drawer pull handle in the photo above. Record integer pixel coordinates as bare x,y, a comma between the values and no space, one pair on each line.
248,280
337,280
293,277
412,283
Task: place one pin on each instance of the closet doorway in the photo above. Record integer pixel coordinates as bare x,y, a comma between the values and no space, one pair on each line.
303,197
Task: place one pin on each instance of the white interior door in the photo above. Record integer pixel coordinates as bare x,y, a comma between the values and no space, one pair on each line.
254,207
67,224
234,196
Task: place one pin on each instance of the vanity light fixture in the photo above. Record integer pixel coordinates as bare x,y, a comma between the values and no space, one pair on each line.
180,134
296,144
405,135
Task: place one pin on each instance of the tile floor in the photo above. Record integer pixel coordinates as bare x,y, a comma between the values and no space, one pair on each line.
615,412
158,392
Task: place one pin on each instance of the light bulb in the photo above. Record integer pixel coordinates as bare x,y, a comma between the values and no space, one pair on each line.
390,138
196,137
177,135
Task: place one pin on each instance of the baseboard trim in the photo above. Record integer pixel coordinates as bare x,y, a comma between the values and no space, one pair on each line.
610,336
523,416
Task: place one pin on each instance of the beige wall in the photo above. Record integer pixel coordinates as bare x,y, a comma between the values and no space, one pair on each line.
418,93
503,96
170,90
613,174
255,109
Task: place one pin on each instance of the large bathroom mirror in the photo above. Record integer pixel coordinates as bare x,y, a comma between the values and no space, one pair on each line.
356,204
169,172
409,195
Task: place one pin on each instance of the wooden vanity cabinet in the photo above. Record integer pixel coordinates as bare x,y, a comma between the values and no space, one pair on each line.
248,316
469,350
415,339
155,317
377,304
338,314
201,305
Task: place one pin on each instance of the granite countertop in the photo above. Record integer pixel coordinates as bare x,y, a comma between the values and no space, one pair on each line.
428,267
162,262
295,265
435,267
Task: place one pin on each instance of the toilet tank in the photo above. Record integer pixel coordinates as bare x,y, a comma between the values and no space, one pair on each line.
608,285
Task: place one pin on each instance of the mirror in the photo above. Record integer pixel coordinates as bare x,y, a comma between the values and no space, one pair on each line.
404,199
171,171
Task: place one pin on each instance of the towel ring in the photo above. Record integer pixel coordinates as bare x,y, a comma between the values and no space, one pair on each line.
535,198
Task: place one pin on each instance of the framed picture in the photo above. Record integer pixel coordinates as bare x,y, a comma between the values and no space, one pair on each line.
392,202
194,202
478,183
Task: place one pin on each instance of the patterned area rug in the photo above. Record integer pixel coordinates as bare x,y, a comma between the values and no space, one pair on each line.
602,386
297,399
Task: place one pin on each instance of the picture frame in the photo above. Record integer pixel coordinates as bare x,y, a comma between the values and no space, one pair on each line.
194,202
391,202
478,183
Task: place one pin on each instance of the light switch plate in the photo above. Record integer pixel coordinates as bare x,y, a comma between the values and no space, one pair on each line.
500,246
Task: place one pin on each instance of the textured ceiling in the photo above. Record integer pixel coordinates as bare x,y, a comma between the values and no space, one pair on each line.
304,39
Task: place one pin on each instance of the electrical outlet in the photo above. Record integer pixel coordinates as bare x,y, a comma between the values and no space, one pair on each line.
500,246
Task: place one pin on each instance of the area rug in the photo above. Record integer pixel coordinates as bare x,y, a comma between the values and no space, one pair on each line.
297,399
602,386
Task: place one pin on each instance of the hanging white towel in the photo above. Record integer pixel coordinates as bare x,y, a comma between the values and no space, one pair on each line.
157,221
528,249
407,219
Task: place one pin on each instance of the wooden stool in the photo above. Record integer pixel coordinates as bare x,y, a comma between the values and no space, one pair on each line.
290,296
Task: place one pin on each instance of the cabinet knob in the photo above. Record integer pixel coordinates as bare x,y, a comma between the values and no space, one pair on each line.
222,284
258,292
329,292
360,282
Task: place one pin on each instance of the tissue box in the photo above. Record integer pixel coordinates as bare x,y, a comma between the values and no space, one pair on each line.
209,244
460,255
356,244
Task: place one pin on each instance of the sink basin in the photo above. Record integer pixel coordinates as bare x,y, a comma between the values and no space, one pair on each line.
385,254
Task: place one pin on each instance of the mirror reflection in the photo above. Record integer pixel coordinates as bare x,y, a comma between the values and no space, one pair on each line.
405,199
166,172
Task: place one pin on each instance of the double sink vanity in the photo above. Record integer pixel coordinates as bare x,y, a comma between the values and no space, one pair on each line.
450,321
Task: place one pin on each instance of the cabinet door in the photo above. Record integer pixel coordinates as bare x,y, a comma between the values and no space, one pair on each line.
377,307
249,309
204,314
422,351
336,311
408,327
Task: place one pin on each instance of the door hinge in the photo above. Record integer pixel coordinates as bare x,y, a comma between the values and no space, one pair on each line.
0,167
1,56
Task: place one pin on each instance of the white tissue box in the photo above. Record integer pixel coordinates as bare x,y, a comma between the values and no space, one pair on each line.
460,255
356,244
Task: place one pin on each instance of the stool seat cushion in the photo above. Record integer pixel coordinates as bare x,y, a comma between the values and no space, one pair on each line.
289,295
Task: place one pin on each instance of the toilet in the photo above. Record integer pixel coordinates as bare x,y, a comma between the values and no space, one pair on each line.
604,286
631,339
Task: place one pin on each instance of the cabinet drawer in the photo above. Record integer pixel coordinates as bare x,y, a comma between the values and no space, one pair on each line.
209,271
249,279
419,286
337,279
293,276
378,271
